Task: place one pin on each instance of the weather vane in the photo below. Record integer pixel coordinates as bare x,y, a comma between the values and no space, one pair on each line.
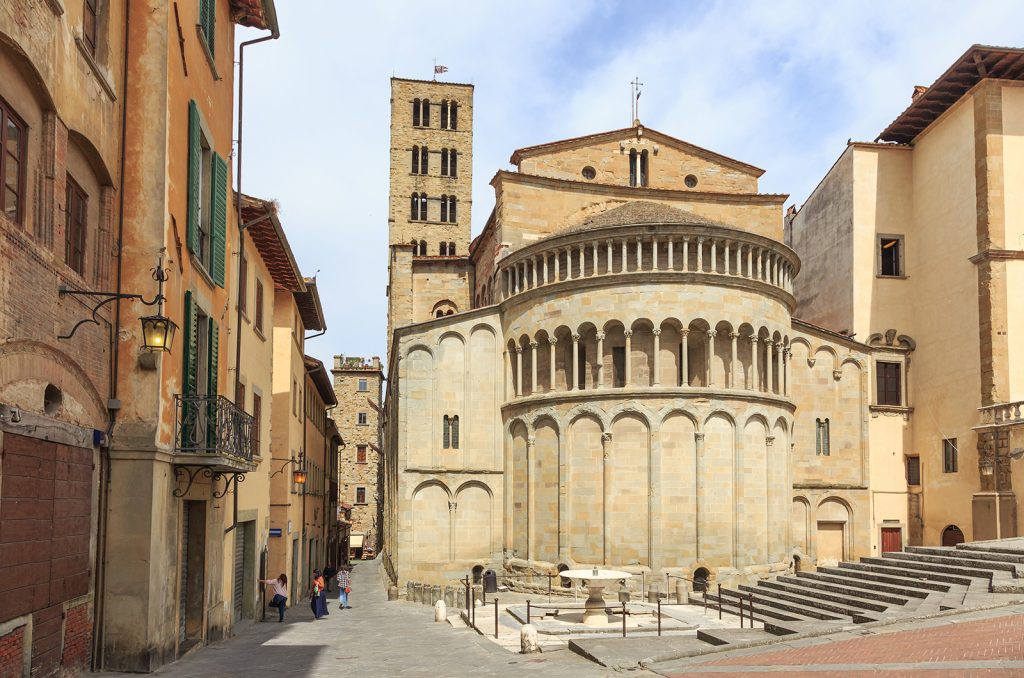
635,99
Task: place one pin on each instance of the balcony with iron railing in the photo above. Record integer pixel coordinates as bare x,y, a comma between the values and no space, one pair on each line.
210,430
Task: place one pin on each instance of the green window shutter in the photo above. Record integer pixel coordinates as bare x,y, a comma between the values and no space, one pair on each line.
213,427
195,169
188,373
207,20
220,217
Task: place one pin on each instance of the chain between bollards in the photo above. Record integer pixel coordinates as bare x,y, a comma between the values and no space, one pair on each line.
495,618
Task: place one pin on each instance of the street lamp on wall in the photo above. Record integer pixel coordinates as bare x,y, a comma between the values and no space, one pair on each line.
157,330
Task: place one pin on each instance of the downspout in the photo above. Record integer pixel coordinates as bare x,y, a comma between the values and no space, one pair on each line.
103,491
275,33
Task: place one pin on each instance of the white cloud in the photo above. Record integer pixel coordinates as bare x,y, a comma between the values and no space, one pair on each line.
781,85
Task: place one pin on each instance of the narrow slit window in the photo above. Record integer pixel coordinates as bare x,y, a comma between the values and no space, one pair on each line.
446,427
414,211
424,160
453,163
643,168
426,113
632,167
453,116
415,159
444,208
455,431
443,250
444,162
451,208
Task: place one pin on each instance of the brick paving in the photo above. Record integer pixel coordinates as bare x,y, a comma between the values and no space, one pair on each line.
991,646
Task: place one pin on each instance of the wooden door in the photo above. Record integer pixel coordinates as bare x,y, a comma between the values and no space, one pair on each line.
831,541
892,539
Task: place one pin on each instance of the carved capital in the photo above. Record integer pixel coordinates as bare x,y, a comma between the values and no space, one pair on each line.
657,332
734,335
837,374
600,336
531,441
534,344
519,349
684,332
628,333
575,338
606,437
452,505
552,340
753,339
698,437
712,334
811,361
769,441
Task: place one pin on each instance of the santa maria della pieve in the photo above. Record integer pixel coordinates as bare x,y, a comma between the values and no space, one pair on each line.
644,363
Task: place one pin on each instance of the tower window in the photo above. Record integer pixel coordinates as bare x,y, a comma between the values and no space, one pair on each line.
890,252
889,384
444,208
453,163
415,159
416,112
451,249
451,208
423,248
424,160
414,207
643,168
444,245
423,207
425,116
632,167
446,441
444,114
444,161
453,115
822,444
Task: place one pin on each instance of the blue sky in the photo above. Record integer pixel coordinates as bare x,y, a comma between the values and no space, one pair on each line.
781,85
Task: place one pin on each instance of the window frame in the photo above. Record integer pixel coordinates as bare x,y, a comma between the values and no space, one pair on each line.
90,24
362,419
900,245
950,454
257,313
257,416
822,438
243,285
76,201
363,385
360,454
913,461
360,490
8,117
881,387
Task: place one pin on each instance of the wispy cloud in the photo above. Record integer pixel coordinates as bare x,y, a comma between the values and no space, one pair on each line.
781,85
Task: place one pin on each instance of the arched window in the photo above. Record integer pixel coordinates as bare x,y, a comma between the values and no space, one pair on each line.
444,114
455,431
451,208
423,248
453,163
632,167
444,208
443,250
416,112
451,249
424,159
581,367
414,207
415,159
643,168
447,432
822,444
453,116
444,162
426,113
423,207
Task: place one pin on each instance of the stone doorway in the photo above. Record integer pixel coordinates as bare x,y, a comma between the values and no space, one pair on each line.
193,573
952,535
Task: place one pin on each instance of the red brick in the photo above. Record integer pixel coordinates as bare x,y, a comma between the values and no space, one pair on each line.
25,508
20,553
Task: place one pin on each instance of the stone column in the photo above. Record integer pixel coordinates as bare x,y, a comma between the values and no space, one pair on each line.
671,249
654,255
686,254
625,255
734,362
657,356
699,491
785,370
600,359
714,255
755,377
629,358
531,497
739,259
685,357
769,360
558,263
533,368
553,341
575,362
710,354
545,268
515,279
606,444
639,254
700,254
750,262
727,257
583,260
597,258
608,264
519,370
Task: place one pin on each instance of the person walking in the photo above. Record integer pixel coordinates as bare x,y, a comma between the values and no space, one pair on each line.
280,594
315,593
344,587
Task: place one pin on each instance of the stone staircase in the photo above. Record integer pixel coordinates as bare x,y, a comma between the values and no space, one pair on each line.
912,583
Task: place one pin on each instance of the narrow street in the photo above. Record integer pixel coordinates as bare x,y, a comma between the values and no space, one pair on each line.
375,638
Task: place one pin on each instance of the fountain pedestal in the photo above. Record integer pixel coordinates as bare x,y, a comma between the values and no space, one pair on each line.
596,581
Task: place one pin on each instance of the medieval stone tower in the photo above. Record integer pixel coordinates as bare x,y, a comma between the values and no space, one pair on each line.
430,200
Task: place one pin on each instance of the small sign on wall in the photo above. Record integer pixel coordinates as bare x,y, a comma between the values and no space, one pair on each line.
275,532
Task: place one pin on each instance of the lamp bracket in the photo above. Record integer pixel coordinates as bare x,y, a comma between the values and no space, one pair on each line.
192,472
107,297
228,479
284,466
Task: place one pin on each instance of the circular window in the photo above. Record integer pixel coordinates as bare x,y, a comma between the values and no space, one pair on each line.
691,181
589,172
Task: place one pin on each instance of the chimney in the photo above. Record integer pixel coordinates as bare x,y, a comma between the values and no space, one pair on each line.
918,91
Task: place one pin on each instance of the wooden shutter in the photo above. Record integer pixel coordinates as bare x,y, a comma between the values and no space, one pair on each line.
219,225
195,169
191,345
207,20
213,427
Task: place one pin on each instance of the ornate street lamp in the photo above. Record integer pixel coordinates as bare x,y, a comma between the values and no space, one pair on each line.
157,330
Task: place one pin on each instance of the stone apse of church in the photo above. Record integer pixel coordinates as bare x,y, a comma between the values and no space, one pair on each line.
641,397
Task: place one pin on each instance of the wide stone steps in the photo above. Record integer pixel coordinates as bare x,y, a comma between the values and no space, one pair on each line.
870,575
957,561
886,567
995,550
915,565
974,554
730,606
831,593
869,588
808,607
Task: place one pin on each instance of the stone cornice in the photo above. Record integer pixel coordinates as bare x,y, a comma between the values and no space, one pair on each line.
997,255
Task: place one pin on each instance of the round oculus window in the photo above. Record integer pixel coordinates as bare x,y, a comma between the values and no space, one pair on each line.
589,172
690,180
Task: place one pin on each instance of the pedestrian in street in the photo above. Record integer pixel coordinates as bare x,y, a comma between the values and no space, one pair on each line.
280,594
315,591
344,587
329,573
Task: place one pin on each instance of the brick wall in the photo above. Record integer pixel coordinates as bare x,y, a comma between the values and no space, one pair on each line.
12,653
74,656
45,523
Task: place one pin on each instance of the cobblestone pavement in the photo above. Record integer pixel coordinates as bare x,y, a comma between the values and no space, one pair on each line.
374,638
988,643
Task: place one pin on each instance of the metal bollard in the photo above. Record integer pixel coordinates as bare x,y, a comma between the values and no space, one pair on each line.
527,612
719,600
659,616
495,618
623,620
741,611
469,598
750,605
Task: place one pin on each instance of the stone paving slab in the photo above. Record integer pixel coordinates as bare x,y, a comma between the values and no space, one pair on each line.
626,653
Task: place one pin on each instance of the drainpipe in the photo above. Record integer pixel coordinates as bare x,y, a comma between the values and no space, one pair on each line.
103,491
275,33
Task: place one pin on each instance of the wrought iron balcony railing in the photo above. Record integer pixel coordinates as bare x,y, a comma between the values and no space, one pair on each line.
212,425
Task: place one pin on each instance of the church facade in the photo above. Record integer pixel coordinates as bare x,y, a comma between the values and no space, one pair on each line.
611,374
